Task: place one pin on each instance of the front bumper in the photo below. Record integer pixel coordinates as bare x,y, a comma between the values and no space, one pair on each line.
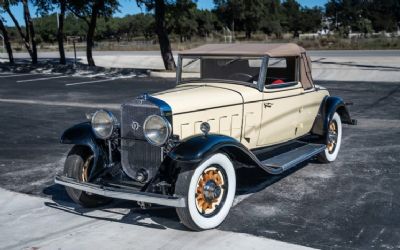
121,193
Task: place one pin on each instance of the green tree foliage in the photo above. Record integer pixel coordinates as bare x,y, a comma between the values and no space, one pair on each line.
181,19
207,22
89,11
384,15
311,19
292,16
243,15
271,19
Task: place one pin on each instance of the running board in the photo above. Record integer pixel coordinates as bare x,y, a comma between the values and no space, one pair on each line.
282,162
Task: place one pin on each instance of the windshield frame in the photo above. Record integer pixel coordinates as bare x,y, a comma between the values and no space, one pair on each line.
261,78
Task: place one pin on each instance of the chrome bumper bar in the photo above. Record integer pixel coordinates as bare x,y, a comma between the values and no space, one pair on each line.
121,193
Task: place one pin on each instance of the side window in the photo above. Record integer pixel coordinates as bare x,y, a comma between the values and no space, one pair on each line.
281,72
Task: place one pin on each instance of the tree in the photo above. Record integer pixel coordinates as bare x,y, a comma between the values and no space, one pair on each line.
30,30
207,22
230,12
181,18
384,15
272,15
346,14
252,15
89,11
6,41
292,15
28,37
243,14
159,8
311,19
44,7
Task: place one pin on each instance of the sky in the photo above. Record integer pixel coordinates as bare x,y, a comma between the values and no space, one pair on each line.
130,7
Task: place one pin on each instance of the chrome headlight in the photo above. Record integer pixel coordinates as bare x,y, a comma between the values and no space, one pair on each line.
157,130
103,124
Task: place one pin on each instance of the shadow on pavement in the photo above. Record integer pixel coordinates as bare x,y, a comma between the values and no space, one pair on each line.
250,180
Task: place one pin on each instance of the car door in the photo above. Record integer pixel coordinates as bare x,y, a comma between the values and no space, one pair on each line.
281,105
280,115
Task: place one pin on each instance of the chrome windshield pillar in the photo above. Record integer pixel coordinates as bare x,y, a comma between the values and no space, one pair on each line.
263,73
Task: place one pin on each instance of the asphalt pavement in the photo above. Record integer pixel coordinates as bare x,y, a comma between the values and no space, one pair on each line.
349,204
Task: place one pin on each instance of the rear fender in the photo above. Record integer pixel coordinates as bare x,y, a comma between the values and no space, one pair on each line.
329,106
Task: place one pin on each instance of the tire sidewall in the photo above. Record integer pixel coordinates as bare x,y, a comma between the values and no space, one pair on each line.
332,156
211,222
73,169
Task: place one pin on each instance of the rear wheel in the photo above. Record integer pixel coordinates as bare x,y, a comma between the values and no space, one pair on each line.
334,140
209,191
77,166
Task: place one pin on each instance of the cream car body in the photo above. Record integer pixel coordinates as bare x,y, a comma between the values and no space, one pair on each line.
242,113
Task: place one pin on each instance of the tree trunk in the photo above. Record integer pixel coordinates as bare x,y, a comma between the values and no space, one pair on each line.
90,34
7,42
248,34
60,31
31,30
23,37
162,34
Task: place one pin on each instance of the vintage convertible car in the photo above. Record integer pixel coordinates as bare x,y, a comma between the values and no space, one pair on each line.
253,104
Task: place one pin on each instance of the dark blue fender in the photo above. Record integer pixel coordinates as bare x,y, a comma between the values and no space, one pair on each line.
82,135
190,152
329,106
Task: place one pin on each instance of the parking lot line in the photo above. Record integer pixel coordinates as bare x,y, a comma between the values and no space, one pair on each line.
80,83
65,104
5,76
42,79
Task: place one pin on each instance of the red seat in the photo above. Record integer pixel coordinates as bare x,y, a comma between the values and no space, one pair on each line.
278,81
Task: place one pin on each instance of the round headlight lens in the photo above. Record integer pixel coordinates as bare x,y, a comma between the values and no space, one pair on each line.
156,129
103,123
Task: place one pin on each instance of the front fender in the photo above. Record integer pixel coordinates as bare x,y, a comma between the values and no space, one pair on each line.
195,148
189,153
82,135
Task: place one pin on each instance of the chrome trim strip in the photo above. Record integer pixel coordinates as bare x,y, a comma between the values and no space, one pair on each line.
120,193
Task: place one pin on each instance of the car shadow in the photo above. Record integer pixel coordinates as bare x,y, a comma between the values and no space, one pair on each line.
249,181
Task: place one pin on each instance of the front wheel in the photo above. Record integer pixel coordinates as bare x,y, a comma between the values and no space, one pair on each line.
209,191
334,140
77,166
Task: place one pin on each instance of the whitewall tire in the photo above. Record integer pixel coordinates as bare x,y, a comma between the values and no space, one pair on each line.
334,140
209,190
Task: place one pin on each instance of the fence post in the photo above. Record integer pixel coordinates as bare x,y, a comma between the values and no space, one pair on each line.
73,41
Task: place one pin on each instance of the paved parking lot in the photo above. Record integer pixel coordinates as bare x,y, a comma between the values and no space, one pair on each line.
351,203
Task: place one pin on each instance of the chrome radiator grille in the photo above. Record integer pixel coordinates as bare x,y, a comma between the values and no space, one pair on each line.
136,152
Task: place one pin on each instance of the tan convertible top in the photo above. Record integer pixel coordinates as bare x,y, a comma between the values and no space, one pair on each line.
248,49
260,49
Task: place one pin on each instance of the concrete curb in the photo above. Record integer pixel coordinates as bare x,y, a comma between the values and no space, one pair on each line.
29,222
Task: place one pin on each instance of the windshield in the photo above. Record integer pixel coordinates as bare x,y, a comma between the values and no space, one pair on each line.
220,69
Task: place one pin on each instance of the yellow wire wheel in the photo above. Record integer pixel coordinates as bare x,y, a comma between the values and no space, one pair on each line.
210,190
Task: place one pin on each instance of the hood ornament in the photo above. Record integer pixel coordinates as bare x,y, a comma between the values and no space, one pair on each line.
135,125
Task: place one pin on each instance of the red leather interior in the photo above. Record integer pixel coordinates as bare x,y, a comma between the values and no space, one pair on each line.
278,81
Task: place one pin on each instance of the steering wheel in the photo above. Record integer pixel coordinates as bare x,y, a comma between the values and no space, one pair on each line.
240,76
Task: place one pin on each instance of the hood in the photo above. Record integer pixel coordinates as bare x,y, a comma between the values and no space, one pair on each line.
190,98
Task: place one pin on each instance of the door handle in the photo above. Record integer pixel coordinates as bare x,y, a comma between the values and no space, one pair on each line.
268,104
